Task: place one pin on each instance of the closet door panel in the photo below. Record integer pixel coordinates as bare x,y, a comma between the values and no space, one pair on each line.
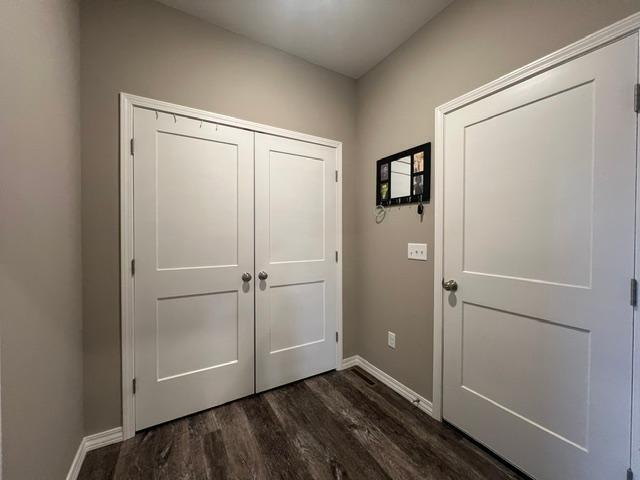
295,260
194,331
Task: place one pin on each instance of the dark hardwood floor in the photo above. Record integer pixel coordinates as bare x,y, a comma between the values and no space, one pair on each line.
340,425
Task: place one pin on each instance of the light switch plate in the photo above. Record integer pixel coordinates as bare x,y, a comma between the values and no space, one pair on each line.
417,251
391,339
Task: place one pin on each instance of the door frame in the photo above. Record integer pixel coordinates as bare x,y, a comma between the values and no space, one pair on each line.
618,30
127,104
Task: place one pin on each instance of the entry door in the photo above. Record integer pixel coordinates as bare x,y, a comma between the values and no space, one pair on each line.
539,236
194,335
295,260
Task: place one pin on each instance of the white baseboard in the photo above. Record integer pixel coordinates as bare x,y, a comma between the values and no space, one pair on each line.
91,442
416,399
351,362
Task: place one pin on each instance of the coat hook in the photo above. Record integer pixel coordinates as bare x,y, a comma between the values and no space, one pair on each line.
200,123
175,120
381,212
156,114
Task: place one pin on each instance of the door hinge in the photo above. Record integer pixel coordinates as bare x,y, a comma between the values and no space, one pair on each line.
134,386
629,474
131,146
336,256
634,292
636,98
337,337
336,175
133,266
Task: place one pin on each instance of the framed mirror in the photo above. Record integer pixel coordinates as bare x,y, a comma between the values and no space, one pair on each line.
404,177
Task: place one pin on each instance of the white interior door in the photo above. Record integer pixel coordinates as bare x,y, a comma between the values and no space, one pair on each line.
539,235
194,333
295,254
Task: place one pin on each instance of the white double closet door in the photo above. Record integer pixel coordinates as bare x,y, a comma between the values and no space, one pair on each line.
216,207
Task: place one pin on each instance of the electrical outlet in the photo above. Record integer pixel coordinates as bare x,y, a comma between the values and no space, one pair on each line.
417,251
391,339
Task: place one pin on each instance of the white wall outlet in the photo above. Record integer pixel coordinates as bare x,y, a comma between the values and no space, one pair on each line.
391,339
417,251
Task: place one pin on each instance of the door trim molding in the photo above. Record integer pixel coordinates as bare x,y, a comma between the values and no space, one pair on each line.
635,404
618,30
127,103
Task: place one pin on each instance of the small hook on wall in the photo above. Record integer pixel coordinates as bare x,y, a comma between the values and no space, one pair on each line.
381,212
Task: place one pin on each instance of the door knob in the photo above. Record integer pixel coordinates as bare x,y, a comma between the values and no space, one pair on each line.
246,277
449,285
263,275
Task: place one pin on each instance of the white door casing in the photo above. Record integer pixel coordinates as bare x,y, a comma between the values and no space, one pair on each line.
539,207
296,247
193,184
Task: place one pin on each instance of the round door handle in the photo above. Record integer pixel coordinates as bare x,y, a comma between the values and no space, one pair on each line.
450,285
246,277
263,275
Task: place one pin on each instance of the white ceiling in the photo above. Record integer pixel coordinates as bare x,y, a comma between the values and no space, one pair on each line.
347,36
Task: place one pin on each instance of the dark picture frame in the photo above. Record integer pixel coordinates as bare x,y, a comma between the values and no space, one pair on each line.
419,181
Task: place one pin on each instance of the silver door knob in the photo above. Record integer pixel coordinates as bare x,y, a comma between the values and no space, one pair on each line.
263,275
450,285
246,277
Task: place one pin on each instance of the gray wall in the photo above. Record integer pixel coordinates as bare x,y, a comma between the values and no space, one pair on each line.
40,260
145,48
467,45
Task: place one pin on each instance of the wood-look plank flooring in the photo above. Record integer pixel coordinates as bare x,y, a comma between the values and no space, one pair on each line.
339,425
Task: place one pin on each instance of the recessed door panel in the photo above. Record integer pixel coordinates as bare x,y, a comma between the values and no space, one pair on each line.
546,378
297,316
295,255
539,210
197,197
541,193
296,207
194,333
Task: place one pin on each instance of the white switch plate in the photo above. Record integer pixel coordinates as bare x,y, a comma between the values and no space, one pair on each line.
417,251
391,339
